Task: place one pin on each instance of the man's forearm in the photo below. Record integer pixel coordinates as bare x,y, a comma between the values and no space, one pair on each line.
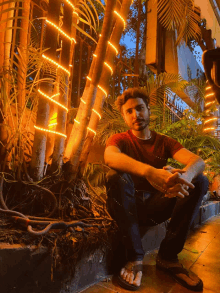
124,163
194,168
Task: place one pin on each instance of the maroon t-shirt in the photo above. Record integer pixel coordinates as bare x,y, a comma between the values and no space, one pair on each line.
154,151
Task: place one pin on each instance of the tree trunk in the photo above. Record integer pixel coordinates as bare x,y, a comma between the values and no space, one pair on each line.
54,110
5,49
72,50
71,139
39,146
3,16
52,119
105,76
81,129
62,114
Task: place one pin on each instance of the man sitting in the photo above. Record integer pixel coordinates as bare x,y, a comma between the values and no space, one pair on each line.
142,190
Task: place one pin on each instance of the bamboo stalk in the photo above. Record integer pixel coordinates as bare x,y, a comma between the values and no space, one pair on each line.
39,146
80,130
62,114
105,76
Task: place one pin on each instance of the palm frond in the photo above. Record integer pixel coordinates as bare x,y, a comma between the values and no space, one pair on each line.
190,28
111,123
180,15
84,33
94,9
83,5
164,84
103,7
170,12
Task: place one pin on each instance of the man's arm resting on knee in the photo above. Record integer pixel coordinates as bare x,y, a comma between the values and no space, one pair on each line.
158,178
115,159
194,164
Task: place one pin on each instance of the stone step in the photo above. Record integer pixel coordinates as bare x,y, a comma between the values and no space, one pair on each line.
27,270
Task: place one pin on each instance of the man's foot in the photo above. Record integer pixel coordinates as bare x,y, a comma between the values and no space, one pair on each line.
180,274
130,275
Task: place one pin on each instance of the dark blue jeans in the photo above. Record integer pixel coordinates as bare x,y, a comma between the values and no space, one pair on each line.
132,209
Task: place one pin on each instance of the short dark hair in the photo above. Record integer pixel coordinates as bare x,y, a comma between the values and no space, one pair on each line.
132,93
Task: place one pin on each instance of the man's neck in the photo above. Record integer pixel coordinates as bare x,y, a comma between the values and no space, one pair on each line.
143,134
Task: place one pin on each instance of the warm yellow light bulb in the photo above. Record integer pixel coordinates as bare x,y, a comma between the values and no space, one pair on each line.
98,86
91,130
209,95
61,31
106,64
52,124
102,90
70,3
113,47
109,67
122,19
209,103
50,131
211,119
53,101
76,121
55,63
74,12
210,128
97,113
83,101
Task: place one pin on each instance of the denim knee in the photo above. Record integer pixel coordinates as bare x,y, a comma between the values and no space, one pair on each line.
116,177
201,182
112,176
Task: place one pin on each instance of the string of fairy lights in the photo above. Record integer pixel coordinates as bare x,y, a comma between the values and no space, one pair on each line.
209,102
107,66
59,66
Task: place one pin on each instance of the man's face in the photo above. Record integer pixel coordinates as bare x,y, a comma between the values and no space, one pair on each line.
136,114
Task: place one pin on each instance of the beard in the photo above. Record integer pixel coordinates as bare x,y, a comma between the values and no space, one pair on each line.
142,125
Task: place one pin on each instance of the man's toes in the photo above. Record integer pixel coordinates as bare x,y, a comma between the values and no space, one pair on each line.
131,279
128,277
124,275
137,280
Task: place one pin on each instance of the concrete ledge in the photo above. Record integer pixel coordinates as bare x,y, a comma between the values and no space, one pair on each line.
209,210
26,269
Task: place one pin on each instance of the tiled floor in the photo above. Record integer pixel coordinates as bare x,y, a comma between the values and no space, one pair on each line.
201,254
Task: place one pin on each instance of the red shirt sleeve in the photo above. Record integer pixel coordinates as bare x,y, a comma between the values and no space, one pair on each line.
115,140
173,146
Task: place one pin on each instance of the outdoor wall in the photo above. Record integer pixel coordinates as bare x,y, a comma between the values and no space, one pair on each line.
186,59
211,20
188,65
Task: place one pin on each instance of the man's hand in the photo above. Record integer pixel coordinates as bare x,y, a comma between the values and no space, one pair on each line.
173,185
179,190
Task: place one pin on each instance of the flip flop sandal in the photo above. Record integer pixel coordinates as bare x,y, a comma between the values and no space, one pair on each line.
124,284
174,271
